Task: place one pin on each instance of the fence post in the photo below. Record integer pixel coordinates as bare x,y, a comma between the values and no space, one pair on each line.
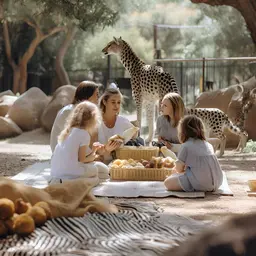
181,79
203,76
155,41
109,69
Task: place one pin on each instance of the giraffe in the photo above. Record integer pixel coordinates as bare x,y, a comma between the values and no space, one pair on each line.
149,83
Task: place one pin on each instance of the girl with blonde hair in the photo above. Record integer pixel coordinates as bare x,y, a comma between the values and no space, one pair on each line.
197,167
73,157
173,110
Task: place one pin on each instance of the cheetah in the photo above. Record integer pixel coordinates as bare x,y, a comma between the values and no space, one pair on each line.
216,120
149,83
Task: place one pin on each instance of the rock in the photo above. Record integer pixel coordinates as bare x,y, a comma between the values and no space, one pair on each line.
222,97
6,102
8,128
230,101
62,96
8,92
27,109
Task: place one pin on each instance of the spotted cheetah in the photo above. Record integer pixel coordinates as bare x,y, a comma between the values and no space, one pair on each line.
216,120
149,83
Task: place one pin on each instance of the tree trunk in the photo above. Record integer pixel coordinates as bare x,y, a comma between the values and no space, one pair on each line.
246,7
30,52
16,80
62,75
23,76
20,70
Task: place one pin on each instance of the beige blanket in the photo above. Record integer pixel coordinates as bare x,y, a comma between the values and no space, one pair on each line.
72,198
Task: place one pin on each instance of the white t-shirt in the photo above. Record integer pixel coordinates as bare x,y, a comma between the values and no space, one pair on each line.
104,133
64,162
59,124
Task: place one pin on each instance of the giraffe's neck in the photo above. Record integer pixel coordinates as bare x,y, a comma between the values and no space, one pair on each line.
130,60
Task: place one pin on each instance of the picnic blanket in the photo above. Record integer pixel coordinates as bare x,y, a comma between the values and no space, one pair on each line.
38,175
137,229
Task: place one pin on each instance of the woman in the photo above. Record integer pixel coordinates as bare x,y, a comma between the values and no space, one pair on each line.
86,90
112,122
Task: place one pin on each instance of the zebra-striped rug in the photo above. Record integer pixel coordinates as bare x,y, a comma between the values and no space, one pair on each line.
137,229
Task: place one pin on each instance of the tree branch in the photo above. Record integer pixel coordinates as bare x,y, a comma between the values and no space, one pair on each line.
247,8
53,31
232,3
35,26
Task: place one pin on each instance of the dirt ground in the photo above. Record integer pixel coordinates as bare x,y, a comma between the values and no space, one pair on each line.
30,147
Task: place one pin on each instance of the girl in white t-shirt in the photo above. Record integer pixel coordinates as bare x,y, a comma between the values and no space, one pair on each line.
113,123
72,157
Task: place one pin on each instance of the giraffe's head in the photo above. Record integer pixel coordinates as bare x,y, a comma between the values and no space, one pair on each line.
240,104
113,47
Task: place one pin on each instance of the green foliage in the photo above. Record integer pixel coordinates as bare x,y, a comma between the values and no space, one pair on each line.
250,147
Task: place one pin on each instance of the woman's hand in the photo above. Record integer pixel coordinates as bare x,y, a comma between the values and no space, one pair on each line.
112,145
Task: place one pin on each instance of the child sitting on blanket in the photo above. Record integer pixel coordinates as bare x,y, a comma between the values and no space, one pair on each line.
197,167
72,157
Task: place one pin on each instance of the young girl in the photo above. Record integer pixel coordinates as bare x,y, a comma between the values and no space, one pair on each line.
113,123
72,157
173,110
197,167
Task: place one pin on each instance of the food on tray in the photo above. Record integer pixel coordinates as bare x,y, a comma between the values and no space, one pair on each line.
155,162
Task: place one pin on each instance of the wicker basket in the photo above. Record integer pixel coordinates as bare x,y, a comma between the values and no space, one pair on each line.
139,174
136,153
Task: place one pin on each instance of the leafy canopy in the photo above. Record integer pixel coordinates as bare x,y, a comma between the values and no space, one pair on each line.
87,14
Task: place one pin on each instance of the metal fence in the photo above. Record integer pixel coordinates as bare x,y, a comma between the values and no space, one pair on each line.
192,75
197,75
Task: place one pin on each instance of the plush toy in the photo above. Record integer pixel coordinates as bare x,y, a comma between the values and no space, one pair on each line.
21,217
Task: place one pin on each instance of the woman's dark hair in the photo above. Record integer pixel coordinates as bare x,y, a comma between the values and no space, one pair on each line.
191,127
106,95
84,91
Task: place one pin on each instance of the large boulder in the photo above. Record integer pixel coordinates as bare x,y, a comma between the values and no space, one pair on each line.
62,96
244,99
230,100
27,109
221,98
8,128
6,102
8,92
